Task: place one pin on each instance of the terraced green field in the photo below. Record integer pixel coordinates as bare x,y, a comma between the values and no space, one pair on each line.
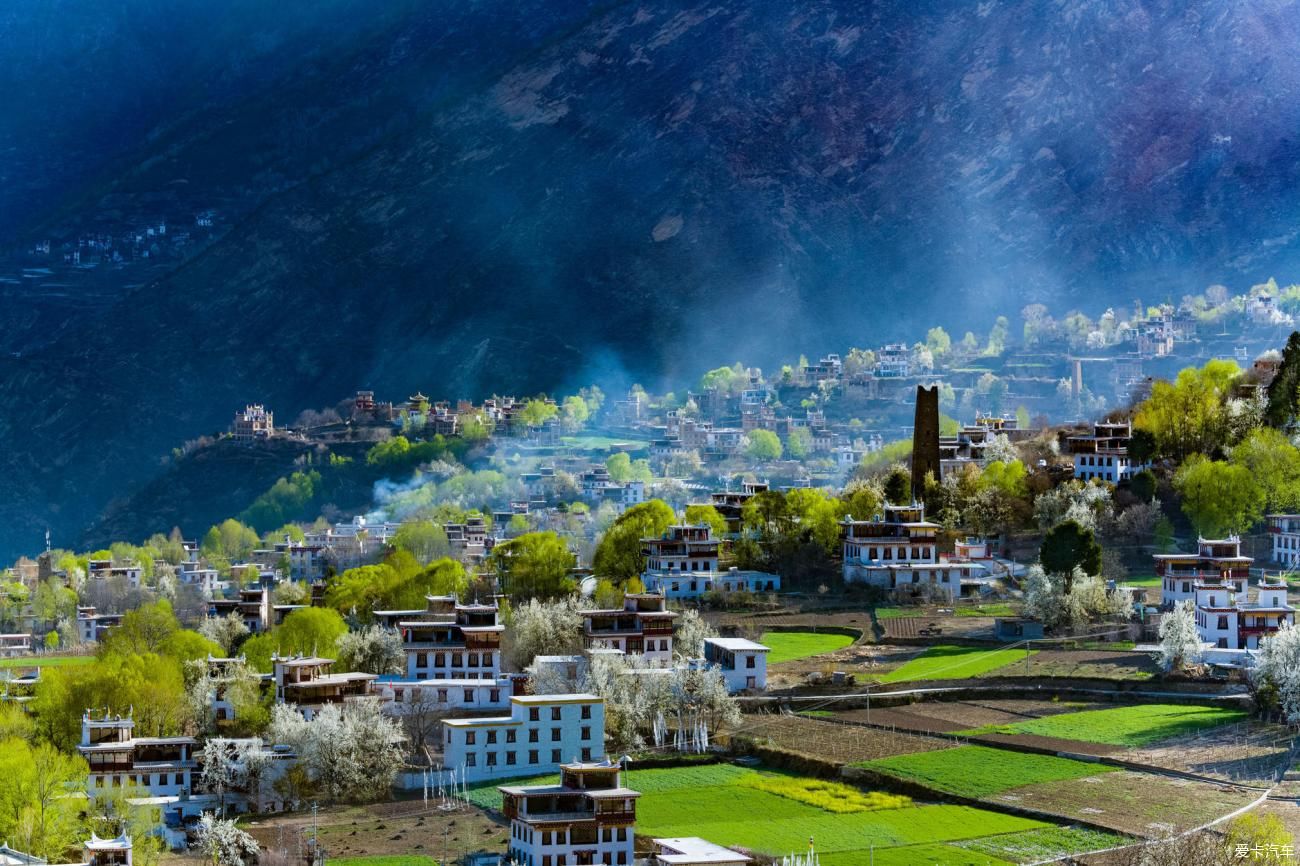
954,663
721,803
979,771
1122,726
995,609
788,646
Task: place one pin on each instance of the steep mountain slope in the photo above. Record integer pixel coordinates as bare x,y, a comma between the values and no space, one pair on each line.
529,196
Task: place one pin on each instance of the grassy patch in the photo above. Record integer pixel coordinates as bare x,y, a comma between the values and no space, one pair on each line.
831,796
817,714
953,663
730,805
1147,580
382,860
790,646
912,855
45,661
978,771
604,443
1123,726
895,612
1044,843
998,609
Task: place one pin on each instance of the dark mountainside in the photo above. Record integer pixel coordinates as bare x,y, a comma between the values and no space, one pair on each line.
533,196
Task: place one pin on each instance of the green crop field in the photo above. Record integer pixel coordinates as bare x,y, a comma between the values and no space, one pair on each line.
732,805
1123,726
604,443
792,645
385,860
996,609
894,612
45,661
1045,843
954,663
978,771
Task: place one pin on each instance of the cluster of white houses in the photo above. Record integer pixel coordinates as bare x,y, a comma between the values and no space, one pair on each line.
1216,579
491,729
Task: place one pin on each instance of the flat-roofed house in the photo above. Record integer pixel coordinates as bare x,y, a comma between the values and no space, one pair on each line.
589,817
541,733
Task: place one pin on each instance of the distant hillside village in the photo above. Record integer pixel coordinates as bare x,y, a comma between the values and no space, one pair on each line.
544,592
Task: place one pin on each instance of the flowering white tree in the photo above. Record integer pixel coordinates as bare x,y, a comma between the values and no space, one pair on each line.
1180,643
350,753
1088,599
374,650
545,628
224,631
692,629
233,766
1277,667
1088,504
1000,448
223,843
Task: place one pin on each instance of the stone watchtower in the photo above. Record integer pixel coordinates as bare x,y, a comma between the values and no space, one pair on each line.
925,438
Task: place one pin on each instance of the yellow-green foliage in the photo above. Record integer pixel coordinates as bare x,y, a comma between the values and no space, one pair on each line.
831,796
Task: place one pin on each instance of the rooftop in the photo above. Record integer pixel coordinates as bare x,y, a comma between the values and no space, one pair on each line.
693,849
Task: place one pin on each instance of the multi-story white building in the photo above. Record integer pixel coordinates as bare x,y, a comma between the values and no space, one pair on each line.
253,422
683,563
696,584
589,817
900,549
540,734
1104,454
1231,621
1285,530
104,569
448,640
446,696
92,626
15,644
160,766
252,604
743,662
1217,560
643,626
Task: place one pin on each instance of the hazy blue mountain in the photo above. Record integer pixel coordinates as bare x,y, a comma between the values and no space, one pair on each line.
463,197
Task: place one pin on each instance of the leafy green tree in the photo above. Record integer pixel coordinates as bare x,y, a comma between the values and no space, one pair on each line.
1274,463
763,445
1143,485
574,412
38,806
707,514
229,541
534,565
938,342
537,412
1219,498
1282,391
307,631
898,486
799,443
424,539
1189,416
1142,447
723,379
618,554
1068,546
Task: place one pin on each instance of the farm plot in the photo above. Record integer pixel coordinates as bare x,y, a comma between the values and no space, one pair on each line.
732,805
1138,803
788,646
953,663
978,771
385,860
1034,845
1250,750
1134,726
950,716
841,744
